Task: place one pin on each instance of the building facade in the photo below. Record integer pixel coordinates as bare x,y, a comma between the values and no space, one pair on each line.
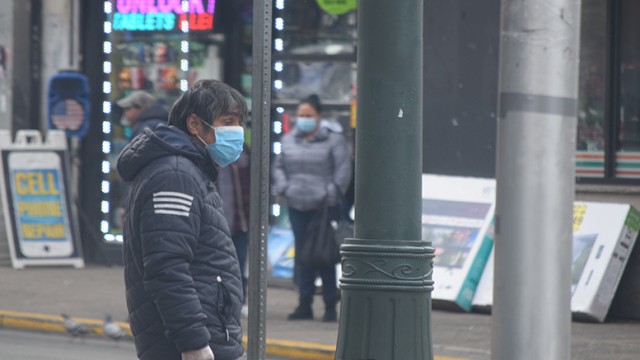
163,46
461,85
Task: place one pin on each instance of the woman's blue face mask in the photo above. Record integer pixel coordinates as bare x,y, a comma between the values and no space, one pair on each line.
306,124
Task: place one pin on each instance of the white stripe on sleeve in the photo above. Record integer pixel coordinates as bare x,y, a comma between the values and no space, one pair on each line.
171,212
171,206
172,203
158,200
173,193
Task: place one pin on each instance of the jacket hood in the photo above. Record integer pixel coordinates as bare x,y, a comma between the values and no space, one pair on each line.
163,141
332,126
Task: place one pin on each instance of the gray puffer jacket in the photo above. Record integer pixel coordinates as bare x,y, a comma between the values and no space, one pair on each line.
308,170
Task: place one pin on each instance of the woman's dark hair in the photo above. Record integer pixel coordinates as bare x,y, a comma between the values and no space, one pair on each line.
208,99
314,101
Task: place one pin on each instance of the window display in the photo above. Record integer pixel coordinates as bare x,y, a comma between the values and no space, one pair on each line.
302,23
314,52
157,47
331,81
628,149
608,133
590,143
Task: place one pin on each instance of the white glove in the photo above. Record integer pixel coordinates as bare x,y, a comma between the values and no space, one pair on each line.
203,354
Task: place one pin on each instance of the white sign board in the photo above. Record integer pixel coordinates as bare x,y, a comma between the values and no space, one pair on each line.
603,237
457,216
36,201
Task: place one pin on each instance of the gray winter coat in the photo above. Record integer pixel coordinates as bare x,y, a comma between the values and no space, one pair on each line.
308,170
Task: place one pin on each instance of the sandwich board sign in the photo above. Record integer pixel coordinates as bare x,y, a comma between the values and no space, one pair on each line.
36,201
457,215
603,237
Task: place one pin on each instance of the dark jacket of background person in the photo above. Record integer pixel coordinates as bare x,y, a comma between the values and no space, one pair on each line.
183,283
234,187
306,171
150,118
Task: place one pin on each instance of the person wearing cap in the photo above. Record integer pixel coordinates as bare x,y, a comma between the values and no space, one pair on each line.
142,111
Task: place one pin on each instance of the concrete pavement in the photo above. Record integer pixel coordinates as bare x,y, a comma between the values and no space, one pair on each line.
33,298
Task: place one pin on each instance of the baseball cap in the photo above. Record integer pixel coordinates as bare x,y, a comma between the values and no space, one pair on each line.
137,98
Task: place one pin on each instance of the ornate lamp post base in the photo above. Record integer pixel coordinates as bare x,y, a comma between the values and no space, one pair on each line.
386,300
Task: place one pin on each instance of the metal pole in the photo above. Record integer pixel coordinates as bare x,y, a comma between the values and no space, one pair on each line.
75,144
386,268
74,37
260,153
535,179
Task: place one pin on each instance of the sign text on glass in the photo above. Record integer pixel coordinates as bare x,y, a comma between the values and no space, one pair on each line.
163,15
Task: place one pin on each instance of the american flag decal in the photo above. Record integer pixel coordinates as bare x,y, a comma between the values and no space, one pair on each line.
172,203
67,115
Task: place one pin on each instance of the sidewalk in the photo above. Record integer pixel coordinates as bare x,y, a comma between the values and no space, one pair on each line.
34,298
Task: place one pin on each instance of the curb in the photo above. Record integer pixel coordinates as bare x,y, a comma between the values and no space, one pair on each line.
278,348
54,324
50,323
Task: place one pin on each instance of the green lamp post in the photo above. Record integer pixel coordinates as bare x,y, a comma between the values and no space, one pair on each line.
386,268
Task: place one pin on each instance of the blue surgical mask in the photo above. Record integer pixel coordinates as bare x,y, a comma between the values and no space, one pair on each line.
306,124
228,145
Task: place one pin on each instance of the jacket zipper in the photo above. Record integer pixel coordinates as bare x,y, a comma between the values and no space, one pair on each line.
221,290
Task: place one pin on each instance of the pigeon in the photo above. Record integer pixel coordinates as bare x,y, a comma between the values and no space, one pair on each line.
112,330
74,328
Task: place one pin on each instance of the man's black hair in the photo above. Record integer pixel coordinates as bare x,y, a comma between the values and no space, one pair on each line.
208,99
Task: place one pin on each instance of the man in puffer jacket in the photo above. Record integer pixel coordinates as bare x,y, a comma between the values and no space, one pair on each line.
183,282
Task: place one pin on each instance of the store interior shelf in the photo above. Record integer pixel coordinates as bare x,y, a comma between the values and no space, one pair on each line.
326,105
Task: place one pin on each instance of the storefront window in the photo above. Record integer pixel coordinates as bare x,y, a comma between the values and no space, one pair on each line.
304,27
331,81
314,52
628,149
314,49
591,109
158,47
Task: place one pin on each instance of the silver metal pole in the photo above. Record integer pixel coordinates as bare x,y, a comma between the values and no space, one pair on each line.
260,153
74,48
535,179
74,63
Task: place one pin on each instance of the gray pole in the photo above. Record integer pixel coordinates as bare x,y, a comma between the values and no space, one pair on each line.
260,153
386,269
535,179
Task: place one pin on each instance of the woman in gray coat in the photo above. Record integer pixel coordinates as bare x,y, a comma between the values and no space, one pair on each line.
314,164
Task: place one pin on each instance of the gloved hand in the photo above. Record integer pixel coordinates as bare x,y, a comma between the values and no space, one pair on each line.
203,354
